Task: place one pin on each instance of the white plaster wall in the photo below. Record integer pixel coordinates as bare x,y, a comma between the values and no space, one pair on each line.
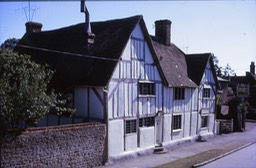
194,123
147,138
211,122
115,137
131,142
186,127
81,101
96,106
167,120
177,134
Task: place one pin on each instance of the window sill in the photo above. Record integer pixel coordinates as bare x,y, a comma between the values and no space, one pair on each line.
131,134
204,128
147,96
177,130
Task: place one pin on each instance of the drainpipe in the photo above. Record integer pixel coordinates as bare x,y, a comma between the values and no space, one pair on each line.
106,154
198,97
191,109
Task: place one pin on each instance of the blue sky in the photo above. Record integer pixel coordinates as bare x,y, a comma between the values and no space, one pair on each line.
225,28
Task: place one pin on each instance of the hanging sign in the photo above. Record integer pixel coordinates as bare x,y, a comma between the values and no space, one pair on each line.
242,90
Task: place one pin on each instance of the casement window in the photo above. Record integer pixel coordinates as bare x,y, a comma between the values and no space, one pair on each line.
147,122
179,93
130,126
176,122
204,121
206,92
146,88
138,49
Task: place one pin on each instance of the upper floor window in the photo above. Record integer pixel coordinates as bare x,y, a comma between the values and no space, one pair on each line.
206,93
146,88
137,48
179,93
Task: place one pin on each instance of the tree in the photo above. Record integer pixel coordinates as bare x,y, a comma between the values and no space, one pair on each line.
24,95
216,66
222,72
228,71
9,43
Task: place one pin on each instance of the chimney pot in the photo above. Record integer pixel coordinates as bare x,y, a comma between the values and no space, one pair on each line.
163,31
252,68
32,27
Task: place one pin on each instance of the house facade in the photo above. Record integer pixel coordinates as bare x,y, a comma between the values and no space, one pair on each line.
205,77
139,85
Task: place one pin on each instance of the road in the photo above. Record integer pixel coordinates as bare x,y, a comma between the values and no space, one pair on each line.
244,158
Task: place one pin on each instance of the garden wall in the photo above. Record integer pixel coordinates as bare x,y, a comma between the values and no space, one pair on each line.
79,145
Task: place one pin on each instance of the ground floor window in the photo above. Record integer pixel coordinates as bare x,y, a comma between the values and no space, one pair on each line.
147,122
176,122
204,121
130,126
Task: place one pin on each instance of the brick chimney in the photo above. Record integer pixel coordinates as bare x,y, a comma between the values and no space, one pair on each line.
163,31
32,27
252,68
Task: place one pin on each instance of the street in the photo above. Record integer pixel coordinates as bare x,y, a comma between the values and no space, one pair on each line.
244,158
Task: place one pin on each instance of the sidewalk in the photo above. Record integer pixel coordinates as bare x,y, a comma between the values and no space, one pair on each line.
190,149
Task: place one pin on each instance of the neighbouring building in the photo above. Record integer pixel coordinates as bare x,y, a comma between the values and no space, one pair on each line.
244,88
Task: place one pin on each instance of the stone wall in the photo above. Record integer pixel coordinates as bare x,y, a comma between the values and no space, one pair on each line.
79,145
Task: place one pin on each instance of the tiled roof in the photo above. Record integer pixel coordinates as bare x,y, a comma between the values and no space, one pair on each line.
65,50
173,63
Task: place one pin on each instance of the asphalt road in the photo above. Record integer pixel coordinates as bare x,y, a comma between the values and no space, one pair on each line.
244,158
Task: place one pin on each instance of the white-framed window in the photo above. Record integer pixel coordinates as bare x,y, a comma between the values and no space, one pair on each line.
138,49
179,93
206,93
147,122
176,122
130,126
204,121
147,88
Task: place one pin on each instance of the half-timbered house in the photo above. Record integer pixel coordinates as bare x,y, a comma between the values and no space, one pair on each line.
201,71
179,92
118,74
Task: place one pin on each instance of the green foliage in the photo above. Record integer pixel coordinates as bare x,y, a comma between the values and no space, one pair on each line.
24,96
9,43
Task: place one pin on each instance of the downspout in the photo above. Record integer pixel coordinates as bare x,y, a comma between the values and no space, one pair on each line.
106,152
215,112
191,107
198,100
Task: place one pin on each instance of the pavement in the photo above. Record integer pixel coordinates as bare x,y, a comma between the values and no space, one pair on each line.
192,148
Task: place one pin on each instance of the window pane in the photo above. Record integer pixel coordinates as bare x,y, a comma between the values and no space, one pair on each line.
206,93
147,88
176,122
130,126
179,93
204,121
